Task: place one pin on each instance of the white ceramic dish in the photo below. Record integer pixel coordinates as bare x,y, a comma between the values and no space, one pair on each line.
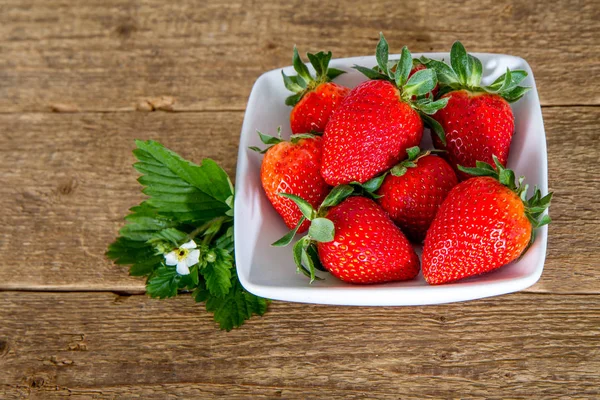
270,272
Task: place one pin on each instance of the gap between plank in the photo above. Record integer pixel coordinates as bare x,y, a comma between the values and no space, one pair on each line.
232,110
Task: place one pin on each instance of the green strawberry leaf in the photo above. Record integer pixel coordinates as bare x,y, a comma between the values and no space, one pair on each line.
444,73
238,305
217,274
140,255
292,83
371,74
163,283
403,67
321,230
460,62
413,152
300,67
420,83
288,237
336,196
333,73
382,54
178,188
435,127
305,208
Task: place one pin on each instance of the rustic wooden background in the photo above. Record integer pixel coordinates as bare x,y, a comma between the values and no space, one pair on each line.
80,80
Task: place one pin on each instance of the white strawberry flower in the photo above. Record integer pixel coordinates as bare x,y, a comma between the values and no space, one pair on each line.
184,257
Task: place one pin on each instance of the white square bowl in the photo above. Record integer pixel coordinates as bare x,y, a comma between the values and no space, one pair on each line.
270,272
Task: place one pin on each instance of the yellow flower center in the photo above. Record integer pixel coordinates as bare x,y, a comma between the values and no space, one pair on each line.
182,254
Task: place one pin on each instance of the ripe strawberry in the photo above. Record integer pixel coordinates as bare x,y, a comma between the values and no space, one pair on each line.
478,121
414,190
315,98
375,124
292,167
353,238
484,223
367,246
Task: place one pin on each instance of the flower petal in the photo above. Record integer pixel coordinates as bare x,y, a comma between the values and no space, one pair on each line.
189,245
182,268
171,258
193,258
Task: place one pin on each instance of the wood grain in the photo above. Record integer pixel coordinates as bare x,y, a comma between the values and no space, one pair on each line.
67,56
69,182
517,346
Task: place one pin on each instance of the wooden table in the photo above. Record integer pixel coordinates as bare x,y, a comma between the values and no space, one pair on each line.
80,80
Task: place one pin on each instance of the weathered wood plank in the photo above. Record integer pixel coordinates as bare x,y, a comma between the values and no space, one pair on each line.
116,55
520,346
67,181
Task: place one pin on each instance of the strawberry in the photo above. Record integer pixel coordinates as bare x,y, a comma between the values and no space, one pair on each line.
292,167
353,239
378,120
367,246
478,121
414,190
315,98
484,223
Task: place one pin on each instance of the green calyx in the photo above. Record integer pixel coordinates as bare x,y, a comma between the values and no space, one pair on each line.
465,72
415,90
271,141
414,155
535,206
321,230
304,82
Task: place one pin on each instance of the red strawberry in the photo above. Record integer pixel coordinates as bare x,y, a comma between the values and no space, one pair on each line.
414,190
483,224
315,98
292,167
375,124
354,239
367,247
478,121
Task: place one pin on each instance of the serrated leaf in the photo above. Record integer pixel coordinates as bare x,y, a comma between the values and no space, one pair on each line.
141,256
321,230
421,82
200,193
236,307
200,294
171,235
163,283
217,274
